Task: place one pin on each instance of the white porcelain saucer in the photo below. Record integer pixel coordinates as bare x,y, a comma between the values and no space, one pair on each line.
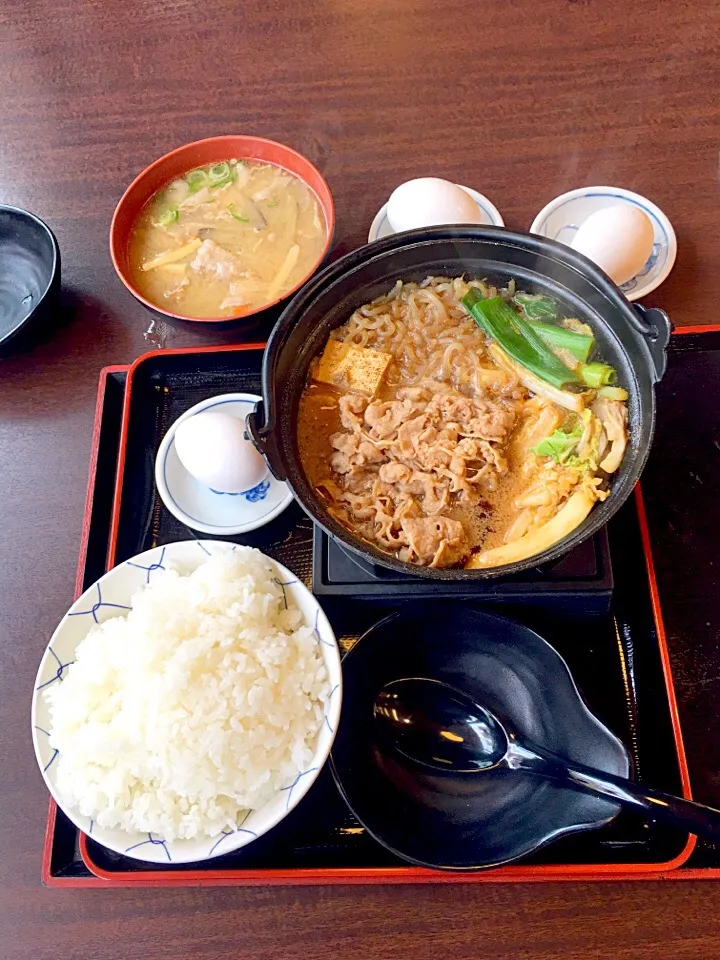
562,217
490,216
199,507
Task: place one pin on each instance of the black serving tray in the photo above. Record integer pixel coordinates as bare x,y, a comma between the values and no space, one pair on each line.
615,659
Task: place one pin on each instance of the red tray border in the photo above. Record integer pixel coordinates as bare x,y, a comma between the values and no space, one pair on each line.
47,877
560,873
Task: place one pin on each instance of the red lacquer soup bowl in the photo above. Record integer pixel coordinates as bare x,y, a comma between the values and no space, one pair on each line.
201,153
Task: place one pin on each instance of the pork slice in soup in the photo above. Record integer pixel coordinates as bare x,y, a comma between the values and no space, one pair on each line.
226,239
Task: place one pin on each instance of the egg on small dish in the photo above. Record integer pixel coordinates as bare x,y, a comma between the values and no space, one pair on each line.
213,449
210,476
428,202
431,201
619,239
624,233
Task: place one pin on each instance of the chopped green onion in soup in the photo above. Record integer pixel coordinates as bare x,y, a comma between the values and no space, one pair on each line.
236,216
169,216
196,180
219,174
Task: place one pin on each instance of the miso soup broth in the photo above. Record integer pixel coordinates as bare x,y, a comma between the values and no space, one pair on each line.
226,239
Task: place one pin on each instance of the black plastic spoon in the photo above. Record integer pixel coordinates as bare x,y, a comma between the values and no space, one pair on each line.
438,726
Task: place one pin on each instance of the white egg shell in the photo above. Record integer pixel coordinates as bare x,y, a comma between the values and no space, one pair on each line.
619,239
213,449
430,201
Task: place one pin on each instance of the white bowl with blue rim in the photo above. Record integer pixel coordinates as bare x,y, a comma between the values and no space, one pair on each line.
215,511
489,216
562,217
110,597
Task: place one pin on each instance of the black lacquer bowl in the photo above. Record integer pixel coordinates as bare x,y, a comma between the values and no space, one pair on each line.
29,273
479,820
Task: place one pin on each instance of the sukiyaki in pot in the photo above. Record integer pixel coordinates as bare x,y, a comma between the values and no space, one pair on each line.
460,402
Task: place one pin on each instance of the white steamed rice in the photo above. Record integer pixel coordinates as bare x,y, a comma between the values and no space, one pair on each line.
201,703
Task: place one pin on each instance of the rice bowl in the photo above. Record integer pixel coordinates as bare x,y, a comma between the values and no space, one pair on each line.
186,727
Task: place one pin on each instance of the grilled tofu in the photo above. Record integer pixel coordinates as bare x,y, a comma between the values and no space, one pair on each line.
349,367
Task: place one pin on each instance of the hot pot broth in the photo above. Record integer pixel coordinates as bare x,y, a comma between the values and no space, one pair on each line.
427,440
226,239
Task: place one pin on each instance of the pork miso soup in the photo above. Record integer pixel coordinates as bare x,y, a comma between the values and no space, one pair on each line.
226,239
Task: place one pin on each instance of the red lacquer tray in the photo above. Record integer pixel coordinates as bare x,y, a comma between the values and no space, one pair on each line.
73,860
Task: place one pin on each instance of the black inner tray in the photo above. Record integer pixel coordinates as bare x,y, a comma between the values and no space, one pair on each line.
577,585
682,493
614,659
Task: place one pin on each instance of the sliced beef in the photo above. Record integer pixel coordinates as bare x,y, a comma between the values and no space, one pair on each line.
435,541
401,462
352,406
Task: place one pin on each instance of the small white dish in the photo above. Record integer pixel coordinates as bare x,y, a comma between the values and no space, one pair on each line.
210,511
562,217
110,597
490,216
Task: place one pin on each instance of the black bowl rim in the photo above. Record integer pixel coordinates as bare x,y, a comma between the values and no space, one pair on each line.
8,208
408,614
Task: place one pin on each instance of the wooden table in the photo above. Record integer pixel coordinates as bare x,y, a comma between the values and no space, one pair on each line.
522,99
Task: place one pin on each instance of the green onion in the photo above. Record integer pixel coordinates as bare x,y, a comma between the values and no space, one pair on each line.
168,217
220,174
518,338
559,338
538,308
196,180
272,203
560,444
597,375
236,216
535,306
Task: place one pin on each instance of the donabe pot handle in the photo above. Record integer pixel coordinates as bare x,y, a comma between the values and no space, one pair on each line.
655,326
262,435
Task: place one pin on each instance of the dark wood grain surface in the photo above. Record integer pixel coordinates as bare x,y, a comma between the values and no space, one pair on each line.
522,99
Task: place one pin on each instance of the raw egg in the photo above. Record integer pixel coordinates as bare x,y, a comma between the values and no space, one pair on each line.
430,201
619,239
213,449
